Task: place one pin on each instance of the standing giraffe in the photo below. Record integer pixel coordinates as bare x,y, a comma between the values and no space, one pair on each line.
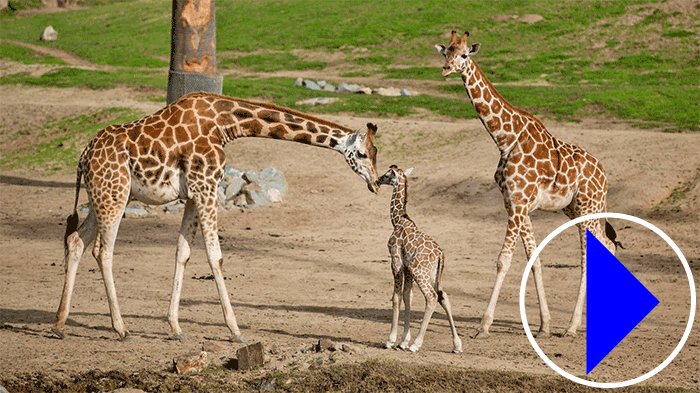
177,153
536,171
414,256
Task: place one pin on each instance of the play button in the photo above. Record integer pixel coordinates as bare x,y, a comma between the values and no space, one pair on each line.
615,302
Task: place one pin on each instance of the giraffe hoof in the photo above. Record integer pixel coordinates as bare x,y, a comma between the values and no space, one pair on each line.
179,337
481,335
127,338
570,334
413,348
58,333
402,347
388,345
237,339
543,334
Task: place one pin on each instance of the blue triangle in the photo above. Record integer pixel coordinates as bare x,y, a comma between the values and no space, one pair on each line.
615,302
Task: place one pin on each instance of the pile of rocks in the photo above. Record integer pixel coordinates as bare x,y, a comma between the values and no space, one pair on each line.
238,189
250,189
343,87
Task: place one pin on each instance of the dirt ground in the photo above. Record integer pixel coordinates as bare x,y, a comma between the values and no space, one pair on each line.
316,265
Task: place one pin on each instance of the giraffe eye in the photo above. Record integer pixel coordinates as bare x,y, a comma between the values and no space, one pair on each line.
361,155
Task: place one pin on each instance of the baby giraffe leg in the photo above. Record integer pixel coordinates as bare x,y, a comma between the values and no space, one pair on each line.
395,301
445,303
430,303
407,298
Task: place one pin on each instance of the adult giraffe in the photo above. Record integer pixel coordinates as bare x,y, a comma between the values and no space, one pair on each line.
177,153
536,171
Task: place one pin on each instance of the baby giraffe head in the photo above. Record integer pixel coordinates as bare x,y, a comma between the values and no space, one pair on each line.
456,53
395,176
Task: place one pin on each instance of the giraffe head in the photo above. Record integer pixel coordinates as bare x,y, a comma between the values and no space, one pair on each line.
395,176
456,53
361,155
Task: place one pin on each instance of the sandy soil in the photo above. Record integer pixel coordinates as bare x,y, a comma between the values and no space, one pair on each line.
316,265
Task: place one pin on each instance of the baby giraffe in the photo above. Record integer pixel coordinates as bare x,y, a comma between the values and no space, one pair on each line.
414,256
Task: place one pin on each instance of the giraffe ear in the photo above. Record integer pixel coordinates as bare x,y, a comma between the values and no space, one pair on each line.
474,48
408,172
371,131
441,49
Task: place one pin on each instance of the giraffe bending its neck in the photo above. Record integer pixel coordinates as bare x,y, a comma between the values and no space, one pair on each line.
536,171
177,153
414,256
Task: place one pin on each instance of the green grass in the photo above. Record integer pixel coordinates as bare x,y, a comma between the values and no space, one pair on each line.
593,62
25,55
61,142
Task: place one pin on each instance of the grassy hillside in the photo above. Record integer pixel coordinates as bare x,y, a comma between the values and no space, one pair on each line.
636,60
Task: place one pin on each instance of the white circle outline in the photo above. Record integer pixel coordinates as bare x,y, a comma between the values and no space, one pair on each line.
658,368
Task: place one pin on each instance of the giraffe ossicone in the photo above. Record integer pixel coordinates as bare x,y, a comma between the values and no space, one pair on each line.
414,257
177,153
536,171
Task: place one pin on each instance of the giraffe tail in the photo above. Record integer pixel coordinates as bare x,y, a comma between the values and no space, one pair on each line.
438,277
612,235
73,220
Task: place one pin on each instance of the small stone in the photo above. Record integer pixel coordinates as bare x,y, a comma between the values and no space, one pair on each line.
348,349
190,362
503,18
531,18
328,87
405,93
346,88
254,194
299,82
172,208
250,356
364,90
321,84
49,34
324,344
387,91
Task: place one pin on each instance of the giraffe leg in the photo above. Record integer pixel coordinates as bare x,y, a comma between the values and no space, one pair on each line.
528,238
502,266
397,270
444,301
595,228
207,218
430,303
108,236
188,229
407,298
76,243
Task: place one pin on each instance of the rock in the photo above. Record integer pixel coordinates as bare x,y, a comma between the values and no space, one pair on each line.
250,356
364,90
254,194
172,207
405,93
49,34
309,84
135,211
503,18
190,362
348,349
318,101
321,84
324,344
530,18
233,172
234,187
387,91
299,82
329,87
346,88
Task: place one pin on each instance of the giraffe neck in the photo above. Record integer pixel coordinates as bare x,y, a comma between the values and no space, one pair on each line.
398,203
503,121
235,118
